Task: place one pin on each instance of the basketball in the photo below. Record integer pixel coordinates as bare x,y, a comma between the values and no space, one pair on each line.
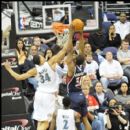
78,24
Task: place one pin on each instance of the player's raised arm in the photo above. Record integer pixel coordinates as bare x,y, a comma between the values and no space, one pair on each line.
70,63
66,48
30,73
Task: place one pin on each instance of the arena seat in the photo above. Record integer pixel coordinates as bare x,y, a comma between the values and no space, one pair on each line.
129,47
105,26
111,49
111,16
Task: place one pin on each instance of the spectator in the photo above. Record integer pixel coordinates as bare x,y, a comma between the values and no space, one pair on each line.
98,41
102,96
22,54
41,47
116,118
86,81
114,39
97,57
123,96
26,63
123,56
76,47
48,54
122,26
86,86
111,72
32,51
91,68
21,51
92,106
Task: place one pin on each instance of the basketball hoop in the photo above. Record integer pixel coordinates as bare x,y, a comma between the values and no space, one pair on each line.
61,31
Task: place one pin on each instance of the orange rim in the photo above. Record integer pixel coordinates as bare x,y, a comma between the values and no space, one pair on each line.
58,27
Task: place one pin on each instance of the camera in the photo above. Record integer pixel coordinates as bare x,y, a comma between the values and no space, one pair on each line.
110,109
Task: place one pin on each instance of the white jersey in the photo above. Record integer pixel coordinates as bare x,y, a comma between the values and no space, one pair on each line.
65,119
48,80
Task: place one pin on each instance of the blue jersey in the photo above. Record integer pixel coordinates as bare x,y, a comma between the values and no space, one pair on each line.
73,84
78,100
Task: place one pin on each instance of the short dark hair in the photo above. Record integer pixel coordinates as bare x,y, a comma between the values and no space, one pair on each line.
36,59
66,101
125,40
128,37
80,60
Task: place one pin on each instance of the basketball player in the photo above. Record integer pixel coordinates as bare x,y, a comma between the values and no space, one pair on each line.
45,72
75,72
65,118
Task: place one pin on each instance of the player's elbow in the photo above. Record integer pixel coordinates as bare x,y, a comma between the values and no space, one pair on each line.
19,78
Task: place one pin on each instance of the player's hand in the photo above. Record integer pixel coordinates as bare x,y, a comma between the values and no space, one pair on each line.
71,30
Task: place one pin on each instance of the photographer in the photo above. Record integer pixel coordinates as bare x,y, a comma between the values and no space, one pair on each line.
116,118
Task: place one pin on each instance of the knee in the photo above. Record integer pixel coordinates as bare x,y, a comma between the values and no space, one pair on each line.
96,124
42,125
104,81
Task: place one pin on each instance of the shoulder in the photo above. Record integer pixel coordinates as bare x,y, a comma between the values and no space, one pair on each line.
127,22
117,35
118,96
116,62
17,52
117,23
119,51
103,62
94,62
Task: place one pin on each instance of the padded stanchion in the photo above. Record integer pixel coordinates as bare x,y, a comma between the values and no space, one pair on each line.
11,89
17,122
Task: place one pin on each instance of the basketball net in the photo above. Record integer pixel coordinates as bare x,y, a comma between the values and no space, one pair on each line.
61,31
